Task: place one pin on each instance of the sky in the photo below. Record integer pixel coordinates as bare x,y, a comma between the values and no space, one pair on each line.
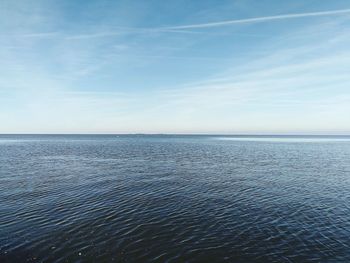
201,66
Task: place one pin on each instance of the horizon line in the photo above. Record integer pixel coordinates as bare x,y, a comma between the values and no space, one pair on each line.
186,134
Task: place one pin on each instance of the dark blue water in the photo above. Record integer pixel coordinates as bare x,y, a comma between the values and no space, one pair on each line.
174,199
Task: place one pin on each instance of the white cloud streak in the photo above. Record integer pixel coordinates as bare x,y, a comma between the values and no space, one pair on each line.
262,19
183,29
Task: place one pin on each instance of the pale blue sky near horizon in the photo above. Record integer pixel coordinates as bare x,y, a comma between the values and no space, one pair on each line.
233,67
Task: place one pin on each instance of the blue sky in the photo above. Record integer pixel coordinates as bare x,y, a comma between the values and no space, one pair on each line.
238,66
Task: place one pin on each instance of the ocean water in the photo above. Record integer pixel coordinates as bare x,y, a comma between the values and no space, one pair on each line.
136,198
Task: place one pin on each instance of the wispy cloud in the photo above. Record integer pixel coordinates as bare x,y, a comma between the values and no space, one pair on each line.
261,19
122,31
183,29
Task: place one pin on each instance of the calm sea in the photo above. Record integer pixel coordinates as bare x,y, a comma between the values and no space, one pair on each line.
136,198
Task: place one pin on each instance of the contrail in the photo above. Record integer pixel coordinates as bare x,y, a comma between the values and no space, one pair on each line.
182,29
261,19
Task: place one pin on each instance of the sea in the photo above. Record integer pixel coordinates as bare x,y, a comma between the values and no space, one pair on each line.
174,198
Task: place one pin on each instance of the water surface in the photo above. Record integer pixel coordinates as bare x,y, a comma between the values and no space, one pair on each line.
135,198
